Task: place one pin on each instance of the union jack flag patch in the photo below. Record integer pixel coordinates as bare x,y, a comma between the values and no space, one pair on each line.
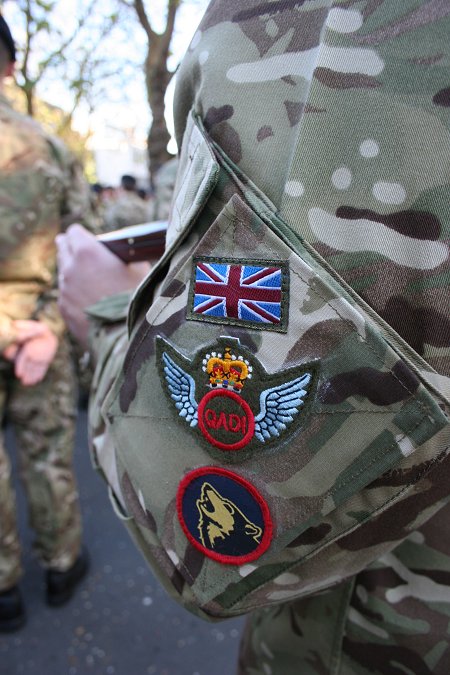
251,293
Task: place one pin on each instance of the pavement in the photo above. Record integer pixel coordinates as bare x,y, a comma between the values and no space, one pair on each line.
121,622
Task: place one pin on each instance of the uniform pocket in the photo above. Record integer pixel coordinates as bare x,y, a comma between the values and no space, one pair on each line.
256,399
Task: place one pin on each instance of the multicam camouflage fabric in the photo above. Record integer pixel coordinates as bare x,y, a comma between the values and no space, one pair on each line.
44,421
358,209
42,191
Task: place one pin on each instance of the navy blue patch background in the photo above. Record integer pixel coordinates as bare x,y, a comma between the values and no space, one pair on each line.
237,543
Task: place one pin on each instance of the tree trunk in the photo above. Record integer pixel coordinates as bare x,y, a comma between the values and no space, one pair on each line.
29,95
157,78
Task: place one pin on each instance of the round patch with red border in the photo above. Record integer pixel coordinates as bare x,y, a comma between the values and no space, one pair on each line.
226,420
223,515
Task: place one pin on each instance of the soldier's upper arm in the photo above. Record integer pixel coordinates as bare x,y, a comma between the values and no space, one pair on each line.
265,419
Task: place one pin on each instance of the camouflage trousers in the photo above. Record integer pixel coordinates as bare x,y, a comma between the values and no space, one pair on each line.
390,619
43,417
296,638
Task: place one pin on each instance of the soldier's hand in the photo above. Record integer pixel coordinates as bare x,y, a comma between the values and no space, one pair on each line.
25,329
35,356
89,272
10,352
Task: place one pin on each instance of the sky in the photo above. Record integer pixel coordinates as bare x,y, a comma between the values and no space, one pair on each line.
120,100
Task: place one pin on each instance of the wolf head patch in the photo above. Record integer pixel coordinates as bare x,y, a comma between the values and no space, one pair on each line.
223,515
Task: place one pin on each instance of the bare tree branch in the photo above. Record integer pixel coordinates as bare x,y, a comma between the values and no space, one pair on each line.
157,79
172,9
144,20
27,51
37,16
58,53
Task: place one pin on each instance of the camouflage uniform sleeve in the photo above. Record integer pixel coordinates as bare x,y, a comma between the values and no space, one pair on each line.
47,311
108,345
349,200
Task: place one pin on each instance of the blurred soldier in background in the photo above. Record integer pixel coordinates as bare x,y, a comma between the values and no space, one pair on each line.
164,187
128,209
97,205
41,192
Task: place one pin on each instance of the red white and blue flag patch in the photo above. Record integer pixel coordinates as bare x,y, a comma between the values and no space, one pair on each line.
251,293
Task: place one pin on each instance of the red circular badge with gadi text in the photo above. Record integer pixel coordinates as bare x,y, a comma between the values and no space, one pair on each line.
226,420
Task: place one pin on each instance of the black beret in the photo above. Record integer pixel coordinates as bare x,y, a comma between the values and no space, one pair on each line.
6,38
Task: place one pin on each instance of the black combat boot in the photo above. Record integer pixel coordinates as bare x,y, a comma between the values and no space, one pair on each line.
61,585
12,610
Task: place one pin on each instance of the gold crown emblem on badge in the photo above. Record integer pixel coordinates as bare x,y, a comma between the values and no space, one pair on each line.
226,370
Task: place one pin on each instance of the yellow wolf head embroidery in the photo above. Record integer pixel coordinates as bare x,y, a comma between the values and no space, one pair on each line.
220,518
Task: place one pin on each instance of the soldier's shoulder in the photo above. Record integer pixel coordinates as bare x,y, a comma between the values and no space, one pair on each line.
23,141
19,121
59,150
29,128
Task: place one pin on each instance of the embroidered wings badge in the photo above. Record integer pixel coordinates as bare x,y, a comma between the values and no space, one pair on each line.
182,390
279,405
236,385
